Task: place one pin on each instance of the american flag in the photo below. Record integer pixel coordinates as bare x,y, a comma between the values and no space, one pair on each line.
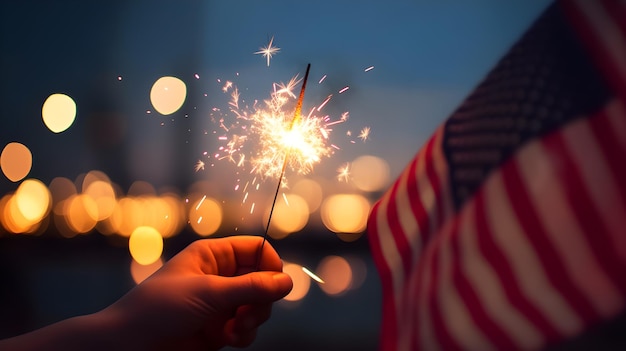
508,229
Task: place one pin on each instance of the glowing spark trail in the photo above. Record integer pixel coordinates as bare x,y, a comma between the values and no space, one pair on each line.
297,116
312,275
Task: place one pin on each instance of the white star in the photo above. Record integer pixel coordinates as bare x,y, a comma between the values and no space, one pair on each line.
268,51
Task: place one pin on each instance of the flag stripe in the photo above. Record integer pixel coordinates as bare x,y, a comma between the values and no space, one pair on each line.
419,194
425,337
458,314
518,266
434,177
440,330
581,204
471,300
525,210
557,213
388,336
398,234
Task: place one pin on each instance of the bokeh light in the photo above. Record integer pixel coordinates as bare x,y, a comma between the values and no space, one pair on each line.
61,188
16,161
345,213
205,216
58,112
81,213
13,219
369,173
33,200
301,281
336,273
168,95
145,245
310,191
104,196
290,215
140,272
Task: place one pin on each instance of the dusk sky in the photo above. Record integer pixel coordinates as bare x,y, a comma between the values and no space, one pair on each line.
427,56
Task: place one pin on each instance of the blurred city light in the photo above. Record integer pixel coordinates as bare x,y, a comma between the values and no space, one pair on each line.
16,161
58,112
345,213
145,245
336,273
370,173
168,95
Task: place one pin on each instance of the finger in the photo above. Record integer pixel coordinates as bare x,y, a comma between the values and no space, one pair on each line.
251,288
237,255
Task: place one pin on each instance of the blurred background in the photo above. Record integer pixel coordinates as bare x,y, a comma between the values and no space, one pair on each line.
115,123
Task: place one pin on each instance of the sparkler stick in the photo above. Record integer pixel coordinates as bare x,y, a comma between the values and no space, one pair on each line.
296,118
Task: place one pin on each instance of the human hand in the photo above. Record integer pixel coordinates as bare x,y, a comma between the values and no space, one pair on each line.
206,297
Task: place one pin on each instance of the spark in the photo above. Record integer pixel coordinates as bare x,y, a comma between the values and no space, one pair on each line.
285,198
322,79
312,275
369,68
268,51
199,165
343,90
200,202
324,103
344,173
227,86
287,88
365,133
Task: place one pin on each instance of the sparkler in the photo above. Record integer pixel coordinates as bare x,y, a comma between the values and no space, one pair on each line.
297,116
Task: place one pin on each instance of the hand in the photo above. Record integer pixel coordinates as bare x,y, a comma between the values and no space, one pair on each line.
206,297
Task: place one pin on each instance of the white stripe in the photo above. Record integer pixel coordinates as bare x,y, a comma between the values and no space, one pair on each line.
606,32
390,254
527,268
484,280
564,231
546,196
405,214
409,227
455,315
617,118
602,188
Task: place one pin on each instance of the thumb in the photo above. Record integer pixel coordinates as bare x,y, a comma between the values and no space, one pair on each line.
255,287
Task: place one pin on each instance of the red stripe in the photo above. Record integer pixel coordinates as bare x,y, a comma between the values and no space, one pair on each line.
498,261
612,149
587,215
399,237
494,333
442,335
388,338
420,214
414,320
537,236
599,52
435,182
